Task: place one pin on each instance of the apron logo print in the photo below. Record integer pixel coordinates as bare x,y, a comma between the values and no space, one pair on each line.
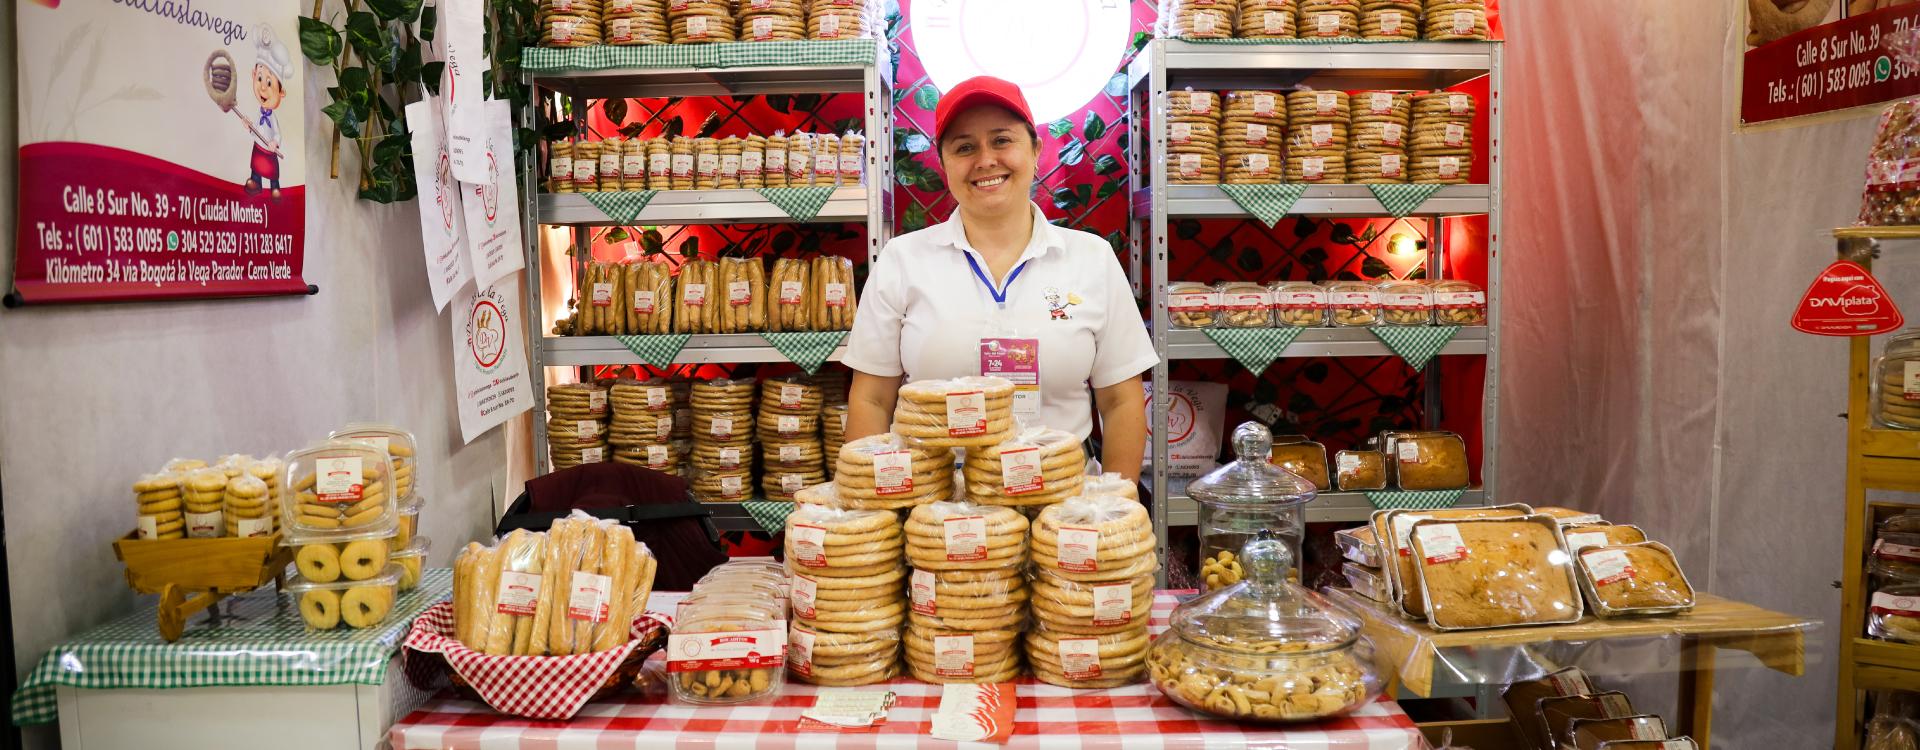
1057,304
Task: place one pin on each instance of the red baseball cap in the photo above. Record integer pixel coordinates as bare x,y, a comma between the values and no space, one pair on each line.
974,92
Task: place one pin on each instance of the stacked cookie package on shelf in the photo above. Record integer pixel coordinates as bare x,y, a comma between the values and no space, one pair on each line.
577,417
772,20
1377,153
1093,566
1037,466
1193,137
753,154
627,22
848,601
612,148
1267,19
559,167
569,23
1440,148
1317,136
723,440
340,521
642,429
969,596
700,21
1250,136
958,413
833,432
840,19
1198,19
1329,19
706,163
789,429
574,589
1390,19
1456,19
886,472
617,163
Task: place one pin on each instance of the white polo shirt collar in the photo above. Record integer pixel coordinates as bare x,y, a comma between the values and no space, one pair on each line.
1045,237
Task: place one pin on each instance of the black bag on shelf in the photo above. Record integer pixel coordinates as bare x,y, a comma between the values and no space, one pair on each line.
655,505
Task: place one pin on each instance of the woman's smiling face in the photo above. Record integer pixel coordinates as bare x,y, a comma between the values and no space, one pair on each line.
989,155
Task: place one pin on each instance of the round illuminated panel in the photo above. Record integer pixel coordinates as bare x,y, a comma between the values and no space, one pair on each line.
1060,52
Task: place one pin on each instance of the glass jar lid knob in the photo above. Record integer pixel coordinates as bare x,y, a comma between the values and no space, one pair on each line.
1252,440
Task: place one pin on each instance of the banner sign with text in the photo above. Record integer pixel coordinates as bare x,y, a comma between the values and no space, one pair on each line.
1821,57
162,150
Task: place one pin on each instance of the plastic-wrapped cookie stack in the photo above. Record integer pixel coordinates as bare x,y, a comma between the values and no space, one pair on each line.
840,19
680,170
586,167
559,167
1198,19
706,163
886,472
569,23
833,431
848,604
958,413
1329,19
1441,144
799,160
340,521
1093,564
826,159
246,508
1457,20
1038,466
772,20
853,158
1193,137
969,600
723,440
160,515
633,164
700,21
1250,136
1378,152
203,493
626,22
1390,19
1267,19
642,428
773,161
789,427
576,424
753,154
660,164
1317,133
729,164
611,149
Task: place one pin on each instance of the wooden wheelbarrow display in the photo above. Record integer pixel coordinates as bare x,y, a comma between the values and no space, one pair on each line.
192,574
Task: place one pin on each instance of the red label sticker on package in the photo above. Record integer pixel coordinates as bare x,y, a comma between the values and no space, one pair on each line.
789,454
1608,566
721,427
787,424
1886,550
1249,300
1449,167
729,458
1322,133
1301,299
849,165
953,655
593,455
1910,385
925,588
792,293
1263,104
203,525
1312,167
1441,543
1380,102
561,167
1390,165
730,165
1463,21
1352,299
1189,165
1078,549
1199,102
586,429
735,649
1884,603
588,600
776,160
1257,164
247,527
1390,23
643,302
657,456
564,29
519,593
809,545
1256,134
967,413
791,395
1327,24
762,28
762,4
696,27
1392,134
1205,22
1020,471
1456,134
732,487
683,165
1080,658
633,166
1586,539
836,294
679,4
829,27
966,538
791,483
1458,103
337,480
602,295
739,293
695,295
892,473
1112,604
584,170
659,165
609,165
751,162
1408,452
1459,301
800,651
1346,461
803,593
663,426
825,164
1274,23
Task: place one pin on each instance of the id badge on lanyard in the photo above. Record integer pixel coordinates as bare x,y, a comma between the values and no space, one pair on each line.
1008,352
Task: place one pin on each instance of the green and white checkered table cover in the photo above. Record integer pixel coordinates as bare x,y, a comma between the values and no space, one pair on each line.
721,55
770,514
623,206
263,642
1409,500
1254,348
801,203
1415,344
1268,203
659,349
1400,200
808,349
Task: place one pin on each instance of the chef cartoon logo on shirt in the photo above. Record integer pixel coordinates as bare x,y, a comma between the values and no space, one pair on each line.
1057,304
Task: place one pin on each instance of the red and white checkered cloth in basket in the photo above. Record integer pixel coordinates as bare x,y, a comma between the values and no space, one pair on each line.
537,687
1135,717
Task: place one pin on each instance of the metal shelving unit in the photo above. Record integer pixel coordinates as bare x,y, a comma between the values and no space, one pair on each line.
1173,65
870,204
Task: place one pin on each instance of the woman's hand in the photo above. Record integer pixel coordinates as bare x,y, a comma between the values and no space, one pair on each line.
1123,426
870,405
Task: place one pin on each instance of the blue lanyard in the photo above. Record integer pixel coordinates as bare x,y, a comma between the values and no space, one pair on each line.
999,295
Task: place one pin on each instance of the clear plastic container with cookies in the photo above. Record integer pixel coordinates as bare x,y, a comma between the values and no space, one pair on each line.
1245,304
1633,579
410,559
1301,304
1243,498
399,446
724,654
1302,457
1360,470
355,603
1427,459
1893,613
1459,303
1494,572
1354,303
1191,304
1896,384
1264,649
339,489
1405,303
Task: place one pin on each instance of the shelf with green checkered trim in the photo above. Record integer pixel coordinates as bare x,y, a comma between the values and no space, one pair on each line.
1322,342
712,70
1327,507
676,207
701,349
1356,201
1247,64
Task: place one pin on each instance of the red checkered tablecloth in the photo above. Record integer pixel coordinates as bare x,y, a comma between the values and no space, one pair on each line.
1136,717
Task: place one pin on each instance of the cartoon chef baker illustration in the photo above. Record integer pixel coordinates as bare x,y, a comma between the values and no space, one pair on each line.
1057,304
272,66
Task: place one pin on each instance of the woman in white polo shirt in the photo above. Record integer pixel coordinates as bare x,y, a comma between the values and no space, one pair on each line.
996,284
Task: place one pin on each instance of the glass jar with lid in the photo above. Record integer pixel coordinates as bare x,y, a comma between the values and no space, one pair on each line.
1896,392
1243,498
1264,649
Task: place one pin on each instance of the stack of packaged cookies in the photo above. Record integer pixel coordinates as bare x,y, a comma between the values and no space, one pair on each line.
253,498
204,493
1390,19
1198,19
625,22
569,23
789,427
840,19
612,180
1442,142
706,163
772,21
559,166
1267,19
342,516
723,440
958,413
1093,566
1250,136
1457,19
1193,137
1038,466
969,599
576,424
574,589
1318,123
729,642
1329,19
700,21
642,429
161,516
406,549
848,603
1378,153
833,432
888,472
